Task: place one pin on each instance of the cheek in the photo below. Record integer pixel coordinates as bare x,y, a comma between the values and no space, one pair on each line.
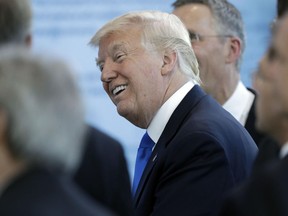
264,96
106,87
264,112
208,56
282,92
260,105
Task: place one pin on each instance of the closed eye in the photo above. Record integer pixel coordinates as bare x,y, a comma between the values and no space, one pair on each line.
100,67
119,56
99,64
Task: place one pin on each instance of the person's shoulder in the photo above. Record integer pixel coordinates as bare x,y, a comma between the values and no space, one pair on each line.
275,171
61,196
101,139
81,203
253,197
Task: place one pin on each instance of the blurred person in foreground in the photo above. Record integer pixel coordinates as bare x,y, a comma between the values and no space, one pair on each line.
103,172
269,148
195,150
266,193
217,36
41,131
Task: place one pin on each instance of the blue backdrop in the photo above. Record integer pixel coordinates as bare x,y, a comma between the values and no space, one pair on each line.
64,27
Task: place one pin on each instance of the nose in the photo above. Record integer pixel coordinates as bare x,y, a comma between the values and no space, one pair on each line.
109,71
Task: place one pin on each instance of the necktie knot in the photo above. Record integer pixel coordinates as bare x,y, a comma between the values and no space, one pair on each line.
146,142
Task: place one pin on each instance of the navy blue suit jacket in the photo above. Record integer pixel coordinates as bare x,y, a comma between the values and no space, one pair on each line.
250,125
268,148
202,153
103,172
39,192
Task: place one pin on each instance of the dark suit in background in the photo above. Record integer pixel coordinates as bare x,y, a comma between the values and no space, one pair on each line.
38,192
202,153
265,194
103,172
268,147
268,152
250,122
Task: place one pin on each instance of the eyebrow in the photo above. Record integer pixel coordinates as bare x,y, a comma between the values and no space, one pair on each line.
113,47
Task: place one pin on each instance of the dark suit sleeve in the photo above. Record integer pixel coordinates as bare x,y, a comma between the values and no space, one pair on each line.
103,173
265,194
250,125
268,152
196,176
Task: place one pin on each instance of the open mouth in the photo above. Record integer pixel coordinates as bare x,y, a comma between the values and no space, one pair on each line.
119,89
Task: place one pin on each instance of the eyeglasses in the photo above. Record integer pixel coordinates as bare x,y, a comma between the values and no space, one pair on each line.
195,37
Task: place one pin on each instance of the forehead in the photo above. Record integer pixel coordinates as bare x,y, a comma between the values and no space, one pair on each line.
195,17
120,40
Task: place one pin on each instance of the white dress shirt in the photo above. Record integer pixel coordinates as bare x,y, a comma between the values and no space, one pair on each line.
239,104
163,115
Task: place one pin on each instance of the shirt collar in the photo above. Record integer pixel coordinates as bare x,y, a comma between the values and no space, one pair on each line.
240,102
163,115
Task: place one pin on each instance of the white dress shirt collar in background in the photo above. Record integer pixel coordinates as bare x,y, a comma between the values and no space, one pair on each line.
284,150
163,115
239,104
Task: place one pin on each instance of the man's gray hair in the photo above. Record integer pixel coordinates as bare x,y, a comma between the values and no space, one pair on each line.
160,31
227,17
15,20
45,116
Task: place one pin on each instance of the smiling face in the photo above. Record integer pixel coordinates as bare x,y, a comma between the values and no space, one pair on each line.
131,76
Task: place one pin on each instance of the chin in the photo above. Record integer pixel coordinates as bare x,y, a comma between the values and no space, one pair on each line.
124,112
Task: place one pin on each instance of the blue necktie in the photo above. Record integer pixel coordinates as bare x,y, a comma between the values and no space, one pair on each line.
143,155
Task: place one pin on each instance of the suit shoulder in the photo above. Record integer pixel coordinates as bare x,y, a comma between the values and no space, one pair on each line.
101,139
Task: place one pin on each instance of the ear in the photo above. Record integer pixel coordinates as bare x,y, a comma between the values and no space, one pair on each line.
233,50
169,62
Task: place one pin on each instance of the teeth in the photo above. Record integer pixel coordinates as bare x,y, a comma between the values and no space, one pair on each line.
118,89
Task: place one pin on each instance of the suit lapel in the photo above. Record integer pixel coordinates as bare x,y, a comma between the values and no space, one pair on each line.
175,122
251,115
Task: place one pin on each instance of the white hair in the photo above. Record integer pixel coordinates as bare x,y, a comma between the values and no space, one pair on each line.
160,30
